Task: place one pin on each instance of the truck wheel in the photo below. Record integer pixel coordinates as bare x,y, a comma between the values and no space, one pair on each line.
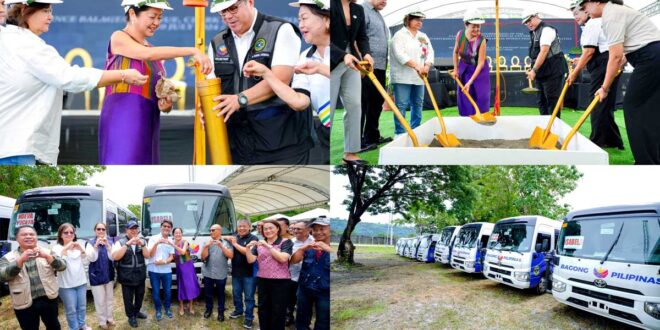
542,287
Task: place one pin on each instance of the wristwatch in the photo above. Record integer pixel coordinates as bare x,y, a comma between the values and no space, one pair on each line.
242,100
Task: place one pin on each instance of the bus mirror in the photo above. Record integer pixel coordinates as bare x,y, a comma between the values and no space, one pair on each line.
112,230
538,248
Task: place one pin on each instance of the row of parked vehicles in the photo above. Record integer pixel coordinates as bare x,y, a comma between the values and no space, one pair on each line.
604,260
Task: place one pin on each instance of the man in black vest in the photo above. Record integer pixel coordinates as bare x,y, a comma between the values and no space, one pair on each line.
130,253
262,128
548,63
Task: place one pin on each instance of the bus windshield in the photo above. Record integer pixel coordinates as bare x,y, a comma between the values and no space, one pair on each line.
446,235
193,213
468,237
638,239
512,237
46,216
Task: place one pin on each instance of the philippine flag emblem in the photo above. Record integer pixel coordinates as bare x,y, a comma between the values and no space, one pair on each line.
600,272
222,51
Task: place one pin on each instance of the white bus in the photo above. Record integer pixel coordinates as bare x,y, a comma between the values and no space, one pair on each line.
608,263
194,207
427,247
470,246
6,208
47,208
519,252
445,245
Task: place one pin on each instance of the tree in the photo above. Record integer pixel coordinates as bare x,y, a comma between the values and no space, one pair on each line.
505,191
397,189
15,179
136,209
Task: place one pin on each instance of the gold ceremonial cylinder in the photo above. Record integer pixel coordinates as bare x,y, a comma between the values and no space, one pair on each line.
195,3
216,130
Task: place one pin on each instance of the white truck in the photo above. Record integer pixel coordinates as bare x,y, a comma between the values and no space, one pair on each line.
519,252
608,263
470,246
427,247
445,245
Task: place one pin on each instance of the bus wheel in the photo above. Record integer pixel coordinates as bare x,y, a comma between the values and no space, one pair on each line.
542,287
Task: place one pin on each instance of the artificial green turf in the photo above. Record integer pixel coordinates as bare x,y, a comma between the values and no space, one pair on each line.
617,157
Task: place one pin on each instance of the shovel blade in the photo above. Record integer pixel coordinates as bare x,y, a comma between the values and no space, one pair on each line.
448,140
530,90
486,119
537,138
550,143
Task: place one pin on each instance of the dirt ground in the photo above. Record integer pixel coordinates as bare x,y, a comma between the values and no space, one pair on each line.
196,322
391,292
490,144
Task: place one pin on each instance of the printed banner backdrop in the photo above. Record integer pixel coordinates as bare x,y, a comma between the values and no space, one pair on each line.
86,25
514,37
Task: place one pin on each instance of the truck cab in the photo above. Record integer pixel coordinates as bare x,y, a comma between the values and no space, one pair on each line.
469,246
445,244
519,252
608,263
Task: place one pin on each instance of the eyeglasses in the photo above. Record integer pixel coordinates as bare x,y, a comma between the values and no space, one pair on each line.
231,10
67,233
214,229
294,229
100,229
165,226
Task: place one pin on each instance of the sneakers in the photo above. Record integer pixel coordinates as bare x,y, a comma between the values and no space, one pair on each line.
169,314
141,315
221,316
247,324
159,316
235,315
132,321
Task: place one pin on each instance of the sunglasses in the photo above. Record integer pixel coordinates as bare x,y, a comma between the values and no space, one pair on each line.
67,233
100,229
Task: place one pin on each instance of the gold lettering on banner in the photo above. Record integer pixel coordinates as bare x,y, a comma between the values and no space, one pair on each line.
87,63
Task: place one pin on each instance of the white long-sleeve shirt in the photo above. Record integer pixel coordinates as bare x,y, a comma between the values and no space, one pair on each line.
74,275
405,47
33,77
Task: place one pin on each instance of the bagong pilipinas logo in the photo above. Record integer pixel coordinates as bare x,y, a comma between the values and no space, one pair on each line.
194,248
260,44
600,272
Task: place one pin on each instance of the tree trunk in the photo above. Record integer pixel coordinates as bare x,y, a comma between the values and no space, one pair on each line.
346,249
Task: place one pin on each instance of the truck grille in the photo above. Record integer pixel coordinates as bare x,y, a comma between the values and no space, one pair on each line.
624,315
500,271
604,296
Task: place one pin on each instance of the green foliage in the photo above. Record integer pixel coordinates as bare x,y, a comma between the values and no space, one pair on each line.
136,209
287,213
15,179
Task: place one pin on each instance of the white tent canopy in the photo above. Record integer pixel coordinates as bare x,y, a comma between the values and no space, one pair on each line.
276,216
270,189
395,10
311,214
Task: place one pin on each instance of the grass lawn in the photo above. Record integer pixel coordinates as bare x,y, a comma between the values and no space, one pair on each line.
617,157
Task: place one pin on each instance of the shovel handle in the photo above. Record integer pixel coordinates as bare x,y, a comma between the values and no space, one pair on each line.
558,106
530,83
366,68
580,121
477,112
435,104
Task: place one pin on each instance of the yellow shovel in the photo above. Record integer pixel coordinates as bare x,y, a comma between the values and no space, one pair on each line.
368,70
486,118
544,138
446,140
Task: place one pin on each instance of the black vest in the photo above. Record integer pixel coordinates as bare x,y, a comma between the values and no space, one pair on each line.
131,269
555,64
267,131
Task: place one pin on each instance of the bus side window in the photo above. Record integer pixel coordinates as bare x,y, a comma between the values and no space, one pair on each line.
484,241
543,242
122,221
110,220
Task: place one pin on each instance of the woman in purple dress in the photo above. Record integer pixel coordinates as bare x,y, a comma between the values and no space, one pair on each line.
469,65
186,278
129,127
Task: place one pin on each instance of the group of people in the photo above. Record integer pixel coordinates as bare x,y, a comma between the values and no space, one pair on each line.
270,89
289,272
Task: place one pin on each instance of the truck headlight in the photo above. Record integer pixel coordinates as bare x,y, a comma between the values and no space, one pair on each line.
469,264
558,285
521,276
652,309
485,268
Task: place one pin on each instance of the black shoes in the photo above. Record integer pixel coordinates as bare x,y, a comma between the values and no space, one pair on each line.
141,315
356,162
368,147
247,324
221,317
207,314
132,321
289,320
235,315
382,140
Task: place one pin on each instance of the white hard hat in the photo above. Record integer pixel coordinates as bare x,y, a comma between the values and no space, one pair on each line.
473,16
323,4
220,5
29,2
161,4
415,12
528,14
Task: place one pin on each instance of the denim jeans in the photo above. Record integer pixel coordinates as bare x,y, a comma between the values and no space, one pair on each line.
156,280
18,160
244,285
406,95
211,287
321,302
75,303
